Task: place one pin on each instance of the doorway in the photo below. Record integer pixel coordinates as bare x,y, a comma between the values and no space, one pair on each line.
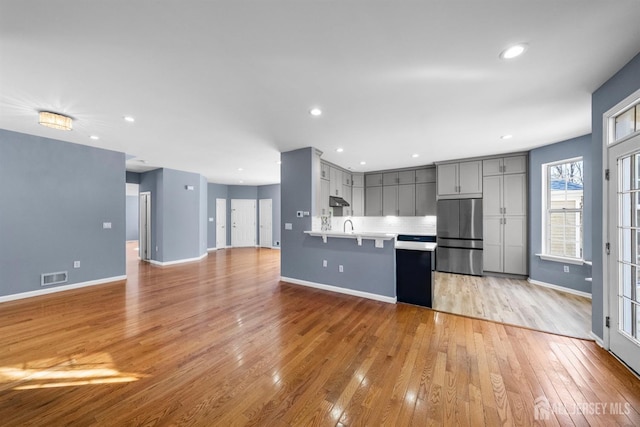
221,223
145,226
623,261
266,219
243,222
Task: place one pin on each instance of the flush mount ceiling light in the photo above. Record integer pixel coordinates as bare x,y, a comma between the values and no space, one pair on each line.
363,163
513,51
315,112
339,150
55,120
94,137
506,137
415,155
129,119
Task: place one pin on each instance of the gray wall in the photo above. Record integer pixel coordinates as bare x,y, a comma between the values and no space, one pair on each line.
132,177
177,221
272,192
132,217
548,271
622,84
366,268
55,197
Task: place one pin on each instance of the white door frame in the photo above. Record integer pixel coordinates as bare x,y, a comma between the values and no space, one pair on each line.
144,226
221,223
608,138
266,227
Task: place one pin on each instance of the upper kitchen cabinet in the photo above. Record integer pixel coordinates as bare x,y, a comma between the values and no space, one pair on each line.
325,171
357,201
335,179
373,201
357,179
459,180
425,175
504,165
426,198
373,180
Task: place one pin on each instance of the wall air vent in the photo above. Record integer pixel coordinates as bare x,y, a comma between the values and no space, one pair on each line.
49,279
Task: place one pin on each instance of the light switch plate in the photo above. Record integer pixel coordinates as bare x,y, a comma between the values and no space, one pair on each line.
288,226
106,225
210,219
76,264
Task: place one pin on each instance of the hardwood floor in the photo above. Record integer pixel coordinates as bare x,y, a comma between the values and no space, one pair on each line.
223,342
516,302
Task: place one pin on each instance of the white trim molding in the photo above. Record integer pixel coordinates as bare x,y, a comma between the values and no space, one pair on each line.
331,288
13,297
597,339
561,259
178,261
559,288
211,249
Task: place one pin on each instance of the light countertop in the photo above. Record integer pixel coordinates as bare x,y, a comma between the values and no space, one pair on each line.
417,246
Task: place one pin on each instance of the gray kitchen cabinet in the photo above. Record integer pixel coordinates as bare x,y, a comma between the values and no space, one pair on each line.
346,194
407,200
357,179
504,165
390,200
425,175
390,178
373,180
324,197
346,178
373,201
504,206
357,201
460,180
407,177
426,199
325,170
335,181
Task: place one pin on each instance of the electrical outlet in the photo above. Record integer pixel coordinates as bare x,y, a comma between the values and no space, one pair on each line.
566,268
76,264
341,268
324,262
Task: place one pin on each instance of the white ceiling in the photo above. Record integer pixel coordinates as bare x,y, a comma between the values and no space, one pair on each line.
220,85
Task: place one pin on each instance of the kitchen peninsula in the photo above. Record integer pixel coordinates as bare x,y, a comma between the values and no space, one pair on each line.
352,268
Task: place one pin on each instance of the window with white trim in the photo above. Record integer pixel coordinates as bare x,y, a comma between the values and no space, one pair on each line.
563,216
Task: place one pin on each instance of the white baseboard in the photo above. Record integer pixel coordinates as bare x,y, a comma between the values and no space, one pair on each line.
55,289
211,249
178,261
340,290
597,339
559,288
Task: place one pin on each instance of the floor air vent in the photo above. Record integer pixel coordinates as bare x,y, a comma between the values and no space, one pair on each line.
49,279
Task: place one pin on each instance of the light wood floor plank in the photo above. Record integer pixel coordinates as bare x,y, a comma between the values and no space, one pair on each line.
224,342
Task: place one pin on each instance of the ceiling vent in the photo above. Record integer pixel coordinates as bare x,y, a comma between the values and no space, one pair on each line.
49,279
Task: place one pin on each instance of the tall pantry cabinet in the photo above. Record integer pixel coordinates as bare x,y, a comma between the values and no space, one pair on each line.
504,206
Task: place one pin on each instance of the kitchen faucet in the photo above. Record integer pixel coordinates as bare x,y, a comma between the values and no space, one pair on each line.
344,226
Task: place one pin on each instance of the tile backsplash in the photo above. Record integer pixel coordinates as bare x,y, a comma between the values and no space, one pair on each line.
382,224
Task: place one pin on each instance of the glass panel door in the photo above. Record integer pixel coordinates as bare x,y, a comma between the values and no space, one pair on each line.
624,260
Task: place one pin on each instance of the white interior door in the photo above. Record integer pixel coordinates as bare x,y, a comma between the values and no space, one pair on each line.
221,223
624,258
243,222
266,219
144,242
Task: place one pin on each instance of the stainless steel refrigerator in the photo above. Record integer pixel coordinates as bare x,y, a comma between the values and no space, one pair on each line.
459,236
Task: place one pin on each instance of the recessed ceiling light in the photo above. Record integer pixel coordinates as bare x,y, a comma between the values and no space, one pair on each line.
315,111
513,51
241,181
415,155
363,163
129,119
240,169
506,137
339,150
94,137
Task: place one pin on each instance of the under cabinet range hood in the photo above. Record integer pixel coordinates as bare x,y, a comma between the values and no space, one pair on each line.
337,202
